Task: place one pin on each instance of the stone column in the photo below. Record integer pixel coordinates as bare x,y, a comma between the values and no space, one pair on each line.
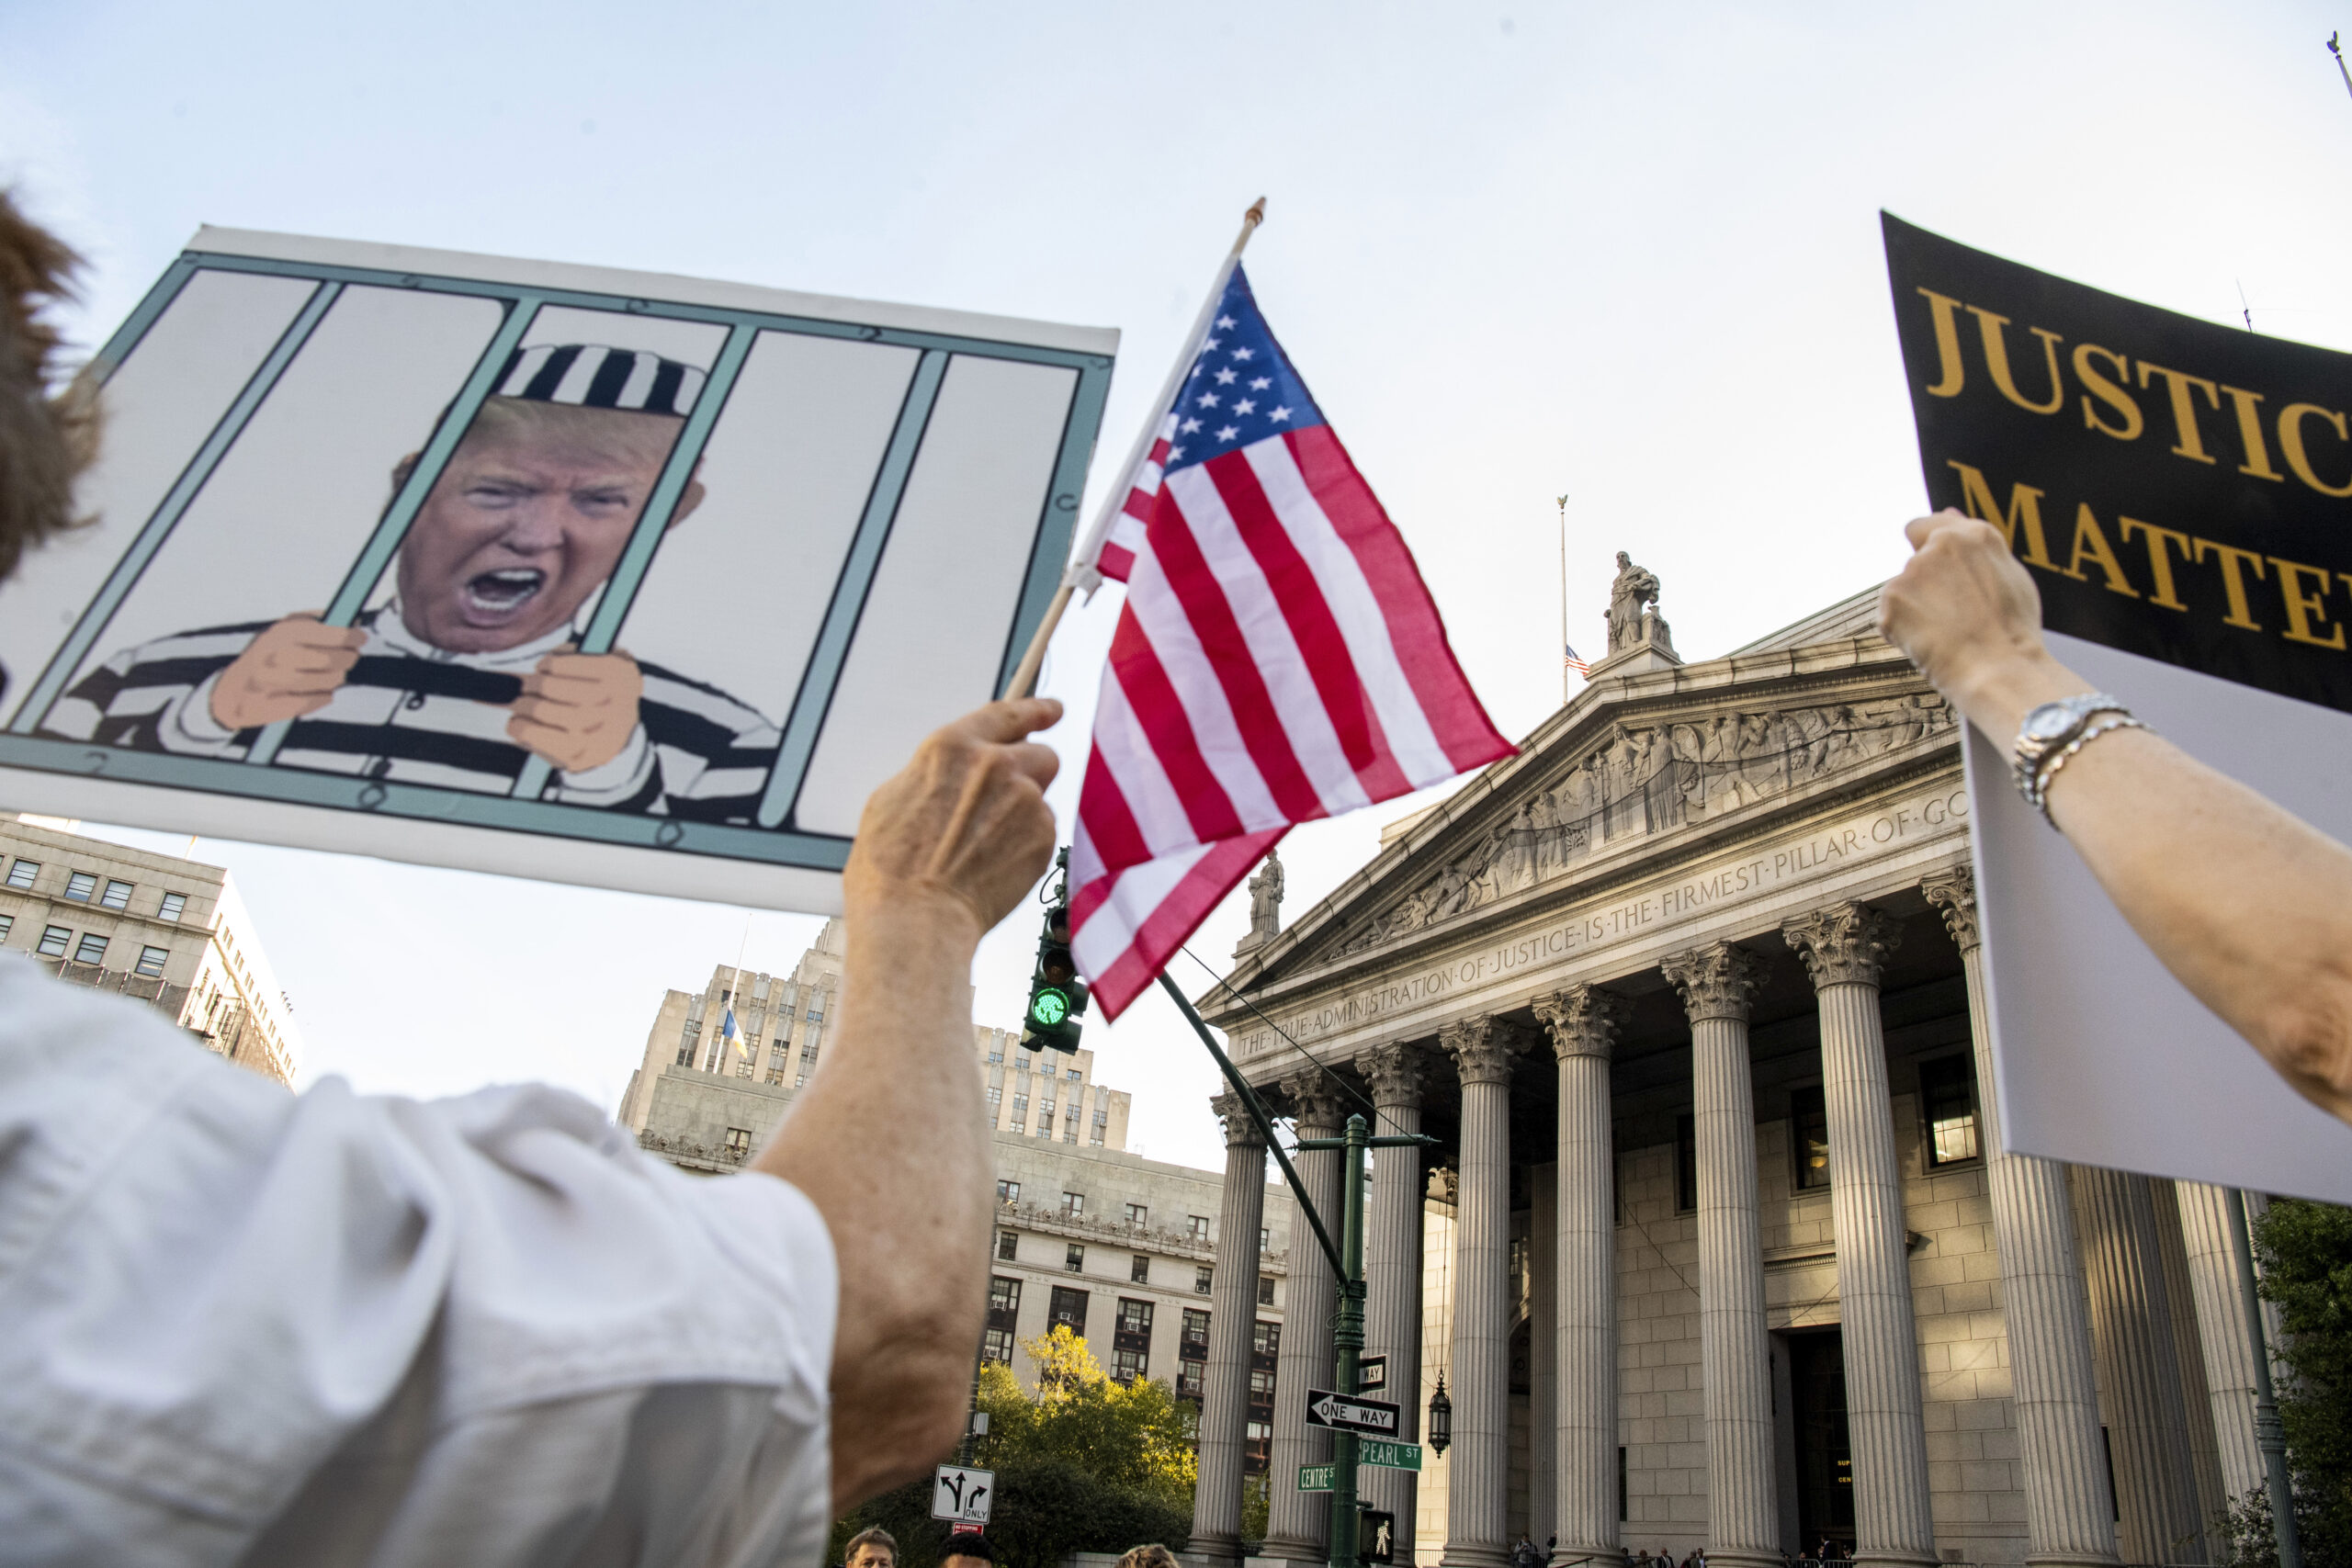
2188,1356
1843,947
1295,1520
1742,1498
1542,1350
2221,1332
1477,1489
2139,1376
2054,1384
1392,1271
1583,1021
1233,1308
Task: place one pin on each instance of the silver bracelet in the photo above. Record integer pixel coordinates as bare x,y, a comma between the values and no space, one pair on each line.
2037,791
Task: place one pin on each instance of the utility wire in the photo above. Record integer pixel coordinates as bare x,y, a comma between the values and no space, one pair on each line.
1344,1086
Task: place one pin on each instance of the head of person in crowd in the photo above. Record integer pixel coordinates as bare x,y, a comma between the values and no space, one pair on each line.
871,1548
531,514
1151,1556
968,1549
48,431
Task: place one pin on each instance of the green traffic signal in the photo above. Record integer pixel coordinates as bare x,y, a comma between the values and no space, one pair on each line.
1049,1008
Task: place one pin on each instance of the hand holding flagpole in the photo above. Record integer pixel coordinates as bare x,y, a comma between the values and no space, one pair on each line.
1082,572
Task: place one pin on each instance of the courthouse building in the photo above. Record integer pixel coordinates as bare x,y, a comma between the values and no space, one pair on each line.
165,931
1123,1249
1720,1247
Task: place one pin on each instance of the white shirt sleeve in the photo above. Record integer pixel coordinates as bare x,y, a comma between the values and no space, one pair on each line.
242,1326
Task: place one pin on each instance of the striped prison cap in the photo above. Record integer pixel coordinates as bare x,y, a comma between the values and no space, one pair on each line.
591,376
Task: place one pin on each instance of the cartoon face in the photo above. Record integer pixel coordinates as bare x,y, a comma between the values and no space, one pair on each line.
527,520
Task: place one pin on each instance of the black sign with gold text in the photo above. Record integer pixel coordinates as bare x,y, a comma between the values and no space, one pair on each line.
2179,489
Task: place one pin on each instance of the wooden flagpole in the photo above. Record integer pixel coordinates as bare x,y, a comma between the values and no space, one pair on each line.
1024,674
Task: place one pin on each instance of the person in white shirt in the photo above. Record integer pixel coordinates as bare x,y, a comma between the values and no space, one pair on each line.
240,1326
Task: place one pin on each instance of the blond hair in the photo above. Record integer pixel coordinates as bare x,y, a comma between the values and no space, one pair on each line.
1151,1556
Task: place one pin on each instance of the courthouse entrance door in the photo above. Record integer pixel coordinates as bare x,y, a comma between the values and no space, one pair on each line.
1824,1455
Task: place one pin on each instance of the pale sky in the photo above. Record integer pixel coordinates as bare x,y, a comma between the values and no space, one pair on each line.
1629,252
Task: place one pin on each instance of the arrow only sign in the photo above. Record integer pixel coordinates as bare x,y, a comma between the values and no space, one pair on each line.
1350,1412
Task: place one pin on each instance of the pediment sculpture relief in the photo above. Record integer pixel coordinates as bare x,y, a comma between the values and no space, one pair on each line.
1645,781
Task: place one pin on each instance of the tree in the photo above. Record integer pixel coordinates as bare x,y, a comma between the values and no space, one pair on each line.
2305,1249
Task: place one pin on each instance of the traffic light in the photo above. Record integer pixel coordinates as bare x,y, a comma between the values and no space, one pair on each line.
1056,995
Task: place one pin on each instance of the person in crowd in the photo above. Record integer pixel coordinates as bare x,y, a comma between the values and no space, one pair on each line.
474,665
873,1546
2249,907
248,1326
1522,1555
967,1548
1151,1556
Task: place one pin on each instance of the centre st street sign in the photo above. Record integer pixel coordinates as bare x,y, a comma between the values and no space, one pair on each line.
1375,1417
1316,1477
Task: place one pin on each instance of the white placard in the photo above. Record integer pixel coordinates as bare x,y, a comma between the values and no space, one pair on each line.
963,1495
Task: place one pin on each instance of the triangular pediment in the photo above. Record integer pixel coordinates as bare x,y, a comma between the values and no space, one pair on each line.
1633,769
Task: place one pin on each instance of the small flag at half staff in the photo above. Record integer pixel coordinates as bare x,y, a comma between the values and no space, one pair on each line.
1278,659
1578,665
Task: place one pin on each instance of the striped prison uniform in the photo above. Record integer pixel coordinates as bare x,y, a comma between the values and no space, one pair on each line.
410,713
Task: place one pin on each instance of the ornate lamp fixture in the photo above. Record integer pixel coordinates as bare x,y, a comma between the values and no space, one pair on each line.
1441,1417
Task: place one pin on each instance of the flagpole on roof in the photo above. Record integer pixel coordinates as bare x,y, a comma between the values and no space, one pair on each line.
1565,693
1082,573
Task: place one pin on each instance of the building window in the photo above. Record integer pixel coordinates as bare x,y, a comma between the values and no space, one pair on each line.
175,903
1008,1192
1126,1366
1135,1316
1070,1126
1948,1107
1140,1270
21,874
996,1096
1265,1340
151,960
996,1057
1262,1385
1196,1327
1190,1376
1197,1226
1265,1237
1005,1296
1138,1215
996,1345
92,949
1809,1135
1068,1310
80,884
1073,1203
1021,1109
1685,1165
739,1140
1201,1281
1265,1290
7,924
1101,1124
116,897
1074,1261
1073,1075
1020,1063
686,1040
1007,1246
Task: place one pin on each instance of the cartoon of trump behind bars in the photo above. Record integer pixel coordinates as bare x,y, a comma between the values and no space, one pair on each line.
473,667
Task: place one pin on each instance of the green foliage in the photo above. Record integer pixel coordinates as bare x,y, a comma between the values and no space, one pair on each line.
2306,1254
1082,1464
1257,1500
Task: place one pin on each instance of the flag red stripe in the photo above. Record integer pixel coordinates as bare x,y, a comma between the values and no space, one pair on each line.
1171,920
1204,605
1104,818
1151,697
1115,561
1418,633
1312,627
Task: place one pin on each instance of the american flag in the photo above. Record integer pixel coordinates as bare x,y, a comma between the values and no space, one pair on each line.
1278,659
1577,664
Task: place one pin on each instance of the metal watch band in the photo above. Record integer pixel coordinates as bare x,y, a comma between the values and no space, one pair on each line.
2107,722
2030,749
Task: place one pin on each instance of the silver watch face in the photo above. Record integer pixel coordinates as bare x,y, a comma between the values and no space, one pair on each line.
2049,721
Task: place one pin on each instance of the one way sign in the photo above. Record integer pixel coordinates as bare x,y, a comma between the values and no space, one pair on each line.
1353,1413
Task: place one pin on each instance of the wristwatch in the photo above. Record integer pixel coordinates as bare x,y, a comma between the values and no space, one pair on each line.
2055,731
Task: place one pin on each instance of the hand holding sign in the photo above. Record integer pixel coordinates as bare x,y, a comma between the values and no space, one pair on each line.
1970,619
294,668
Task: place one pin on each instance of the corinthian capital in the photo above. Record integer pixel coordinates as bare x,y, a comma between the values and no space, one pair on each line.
1240,1127
1397,1074
1716,981
1316,1103
1844,944
1953,892
1482,1049
1582,1020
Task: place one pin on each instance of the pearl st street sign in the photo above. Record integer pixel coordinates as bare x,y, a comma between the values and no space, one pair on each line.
1369,1450
1375,1417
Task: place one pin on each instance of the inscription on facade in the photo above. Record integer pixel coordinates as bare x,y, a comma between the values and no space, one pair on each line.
1800,854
